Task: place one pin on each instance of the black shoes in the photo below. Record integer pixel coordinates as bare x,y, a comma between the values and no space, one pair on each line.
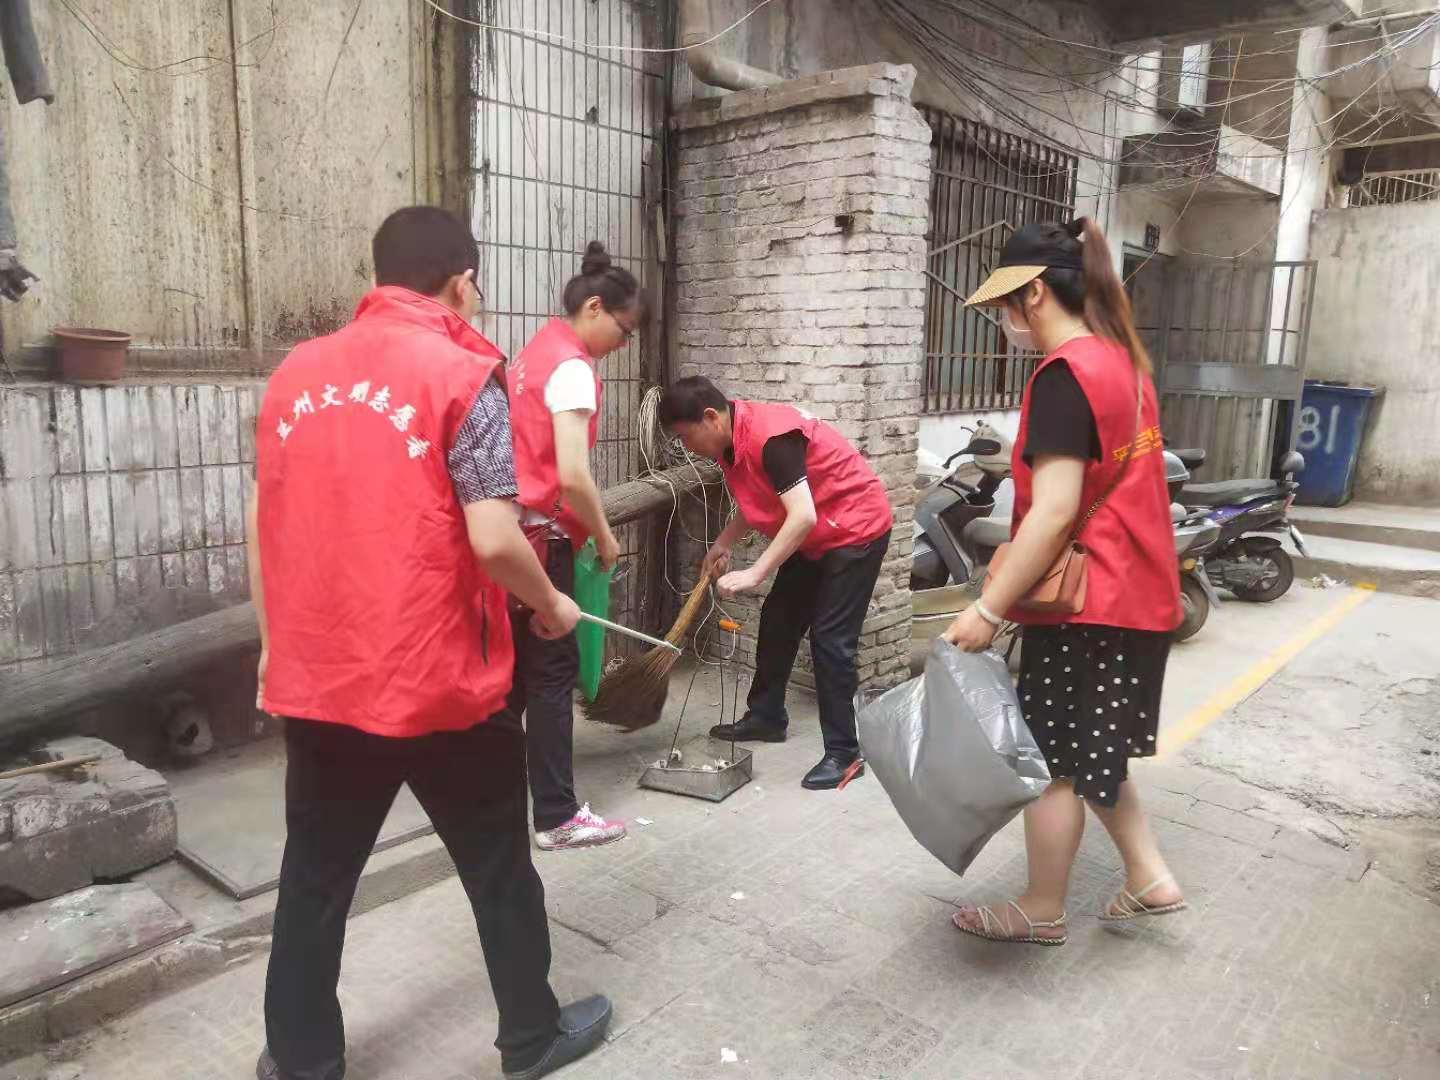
829,773
582,1029
748,729
267,1069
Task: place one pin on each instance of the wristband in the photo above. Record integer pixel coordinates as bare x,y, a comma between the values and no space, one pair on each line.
986,614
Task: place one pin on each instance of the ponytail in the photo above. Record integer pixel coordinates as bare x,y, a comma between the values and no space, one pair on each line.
1106,304
1094,291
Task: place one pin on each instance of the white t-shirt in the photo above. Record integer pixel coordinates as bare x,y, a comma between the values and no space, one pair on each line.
570,388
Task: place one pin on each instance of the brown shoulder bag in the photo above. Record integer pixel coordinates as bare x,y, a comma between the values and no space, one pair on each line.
1061,589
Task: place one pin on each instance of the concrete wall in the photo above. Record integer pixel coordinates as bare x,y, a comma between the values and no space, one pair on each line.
1376,322
204,205
208,180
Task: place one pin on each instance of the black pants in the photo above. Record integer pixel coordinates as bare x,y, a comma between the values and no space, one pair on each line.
546,673
828,597
339,784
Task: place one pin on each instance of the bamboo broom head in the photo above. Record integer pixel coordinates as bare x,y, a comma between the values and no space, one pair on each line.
633,695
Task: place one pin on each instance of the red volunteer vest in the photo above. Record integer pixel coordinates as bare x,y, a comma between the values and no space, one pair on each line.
379,616
851,506
1133,580
534,425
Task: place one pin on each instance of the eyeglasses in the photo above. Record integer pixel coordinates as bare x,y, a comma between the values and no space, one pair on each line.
626,332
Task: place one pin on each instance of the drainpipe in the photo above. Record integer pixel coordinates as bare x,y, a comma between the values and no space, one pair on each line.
705,61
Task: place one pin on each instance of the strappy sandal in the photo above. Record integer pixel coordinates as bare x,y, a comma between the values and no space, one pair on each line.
993,928
1132,905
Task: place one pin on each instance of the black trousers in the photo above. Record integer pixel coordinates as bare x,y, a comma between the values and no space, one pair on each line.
546,673
827,597
339,785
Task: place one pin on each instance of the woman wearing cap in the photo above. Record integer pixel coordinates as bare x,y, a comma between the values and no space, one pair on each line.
1087,468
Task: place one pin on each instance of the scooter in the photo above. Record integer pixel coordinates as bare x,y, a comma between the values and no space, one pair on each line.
956,537
1195,536
1248,559
950,506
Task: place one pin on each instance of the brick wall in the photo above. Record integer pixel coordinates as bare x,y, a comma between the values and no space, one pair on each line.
799,258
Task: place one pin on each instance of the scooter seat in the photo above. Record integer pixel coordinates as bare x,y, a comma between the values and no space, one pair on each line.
986,533
1226,492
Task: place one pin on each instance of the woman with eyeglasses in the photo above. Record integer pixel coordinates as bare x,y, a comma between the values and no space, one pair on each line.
555,393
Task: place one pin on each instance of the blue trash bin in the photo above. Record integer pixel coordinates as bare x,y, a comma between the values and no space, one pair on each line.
1332,423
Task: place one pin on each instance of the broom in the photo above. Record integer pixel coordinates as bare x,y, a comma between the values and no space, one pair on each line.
633,695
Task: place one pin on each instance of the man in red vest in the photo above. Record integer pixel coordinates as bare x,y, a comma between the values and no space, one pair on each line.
798,481
384,538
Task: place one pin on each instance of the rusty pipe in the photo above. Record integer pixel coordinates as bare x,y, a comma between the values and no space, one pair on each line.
704,56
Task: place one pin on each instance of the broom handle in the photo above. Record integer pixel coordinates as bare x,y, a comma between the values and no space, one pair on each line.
687,613
608,625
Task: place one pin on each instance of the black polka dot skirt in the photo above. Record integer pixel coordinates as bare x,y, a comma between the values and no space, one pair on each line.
1091,697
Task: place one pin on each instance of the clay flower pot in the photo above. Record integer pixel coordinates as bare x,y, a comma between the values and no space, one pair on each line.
90,356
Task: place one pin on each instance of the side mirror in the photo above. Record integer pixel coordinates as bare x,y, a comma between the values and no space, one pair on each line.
984,447
1292,462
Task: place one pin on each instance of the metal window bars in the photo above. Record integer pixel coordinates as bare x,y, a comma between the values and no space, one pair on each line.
984,182
1394,189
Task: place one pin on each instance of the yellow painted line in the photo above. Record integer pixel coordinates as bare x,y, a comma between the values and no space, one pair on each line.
1173,738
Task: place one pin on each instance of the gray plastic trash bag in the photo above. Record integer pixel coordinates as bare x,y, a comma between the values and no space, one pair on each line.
953,752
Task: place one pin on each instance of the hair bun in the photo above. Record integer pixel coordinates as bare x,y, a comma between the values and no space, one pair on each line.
596,260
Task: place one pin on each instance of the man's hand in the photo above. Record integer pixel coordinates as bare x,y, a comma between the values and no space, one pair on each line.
558,620
260,680
716,561
738,581
970,631
608,548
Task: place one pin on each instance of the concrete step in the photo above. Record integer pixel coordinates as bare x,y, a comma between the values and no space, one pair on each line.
1405,571
1373,523
226,932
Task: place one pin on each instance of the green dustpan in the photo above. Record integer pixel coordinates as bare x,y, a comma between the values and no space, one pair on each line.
592,594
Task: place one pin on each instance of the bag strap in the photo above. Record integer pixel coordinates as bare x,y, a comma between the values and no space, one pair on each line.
1124,467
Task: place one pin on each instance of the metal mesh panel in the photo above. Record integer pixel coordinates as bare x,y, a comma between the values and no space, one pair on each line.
569,145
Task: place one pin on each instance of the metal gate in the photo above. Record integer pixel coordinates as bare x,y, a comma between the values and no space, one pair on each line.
1229,341
984,184
569,146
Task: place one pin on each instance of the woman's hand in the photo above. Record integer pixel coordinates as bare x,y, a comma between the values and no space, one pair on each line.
717,560
608,549
970,631
260,679
737,582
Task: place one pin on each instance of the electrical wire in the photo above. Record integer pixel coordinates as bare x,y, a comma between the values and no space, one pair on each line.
990,91
124,59
562,40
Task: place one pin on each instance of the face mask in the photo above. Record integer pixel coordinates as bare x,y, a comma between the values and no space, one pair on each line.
1021,338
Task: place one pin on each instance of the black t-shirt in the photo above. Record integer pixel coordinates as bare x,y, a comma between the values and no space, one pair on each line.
783,457
1061,421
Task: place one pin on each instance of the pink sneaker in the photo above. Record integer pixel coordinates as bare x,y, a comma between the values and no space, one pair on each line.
585,829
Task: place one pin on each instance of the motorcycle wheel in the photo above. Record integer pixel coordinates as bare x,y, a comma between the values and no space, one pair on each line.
1195,605
1278,576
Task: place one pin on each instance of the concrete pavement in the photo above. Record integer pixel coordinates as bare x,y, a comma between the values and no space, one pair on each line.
807,933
